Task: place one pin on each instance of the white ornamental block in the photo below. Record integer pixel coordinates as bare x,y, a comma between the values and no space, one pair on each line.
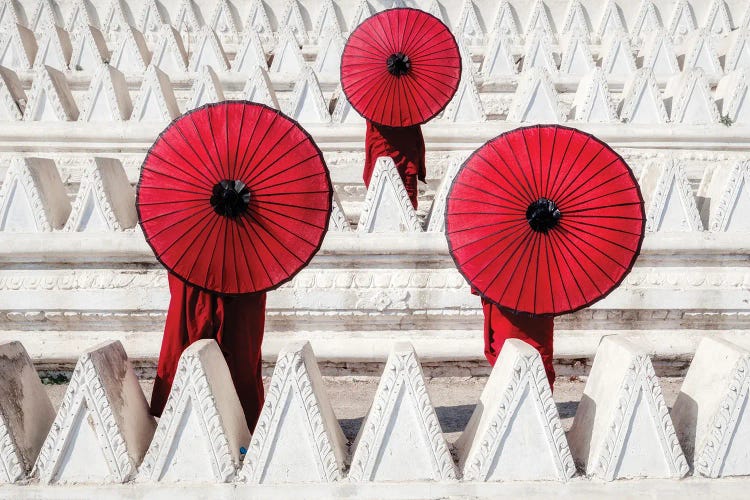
465,106
338,220
50,98
593,102
17,47
297,438
250,54
536,99
103,426
733,92
287,56
26,413
169,52
89,50
622,427
156,101
642,102
54,49
308,104
682,22
387,207
690,98
515,431
208,52
107,99
259,88
401,438
12,96
203,427
670,201
711,414
436,218
732,191
343,112
207,88
611,20
131,55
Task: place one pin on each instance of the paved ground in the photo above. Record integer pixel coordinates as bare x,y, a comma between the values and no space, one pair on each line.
454,399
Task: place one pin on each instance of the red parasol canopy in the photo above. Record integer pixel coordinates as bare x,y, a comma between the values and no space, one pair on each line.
400,67
545,220
234,197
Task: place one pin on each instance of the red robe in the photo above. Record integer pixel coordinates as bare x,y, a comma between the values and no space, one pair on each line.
405,145
235,322
500,325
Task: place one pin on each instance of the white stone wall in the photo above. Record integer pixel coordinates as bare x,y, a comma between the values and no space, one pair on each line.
663,82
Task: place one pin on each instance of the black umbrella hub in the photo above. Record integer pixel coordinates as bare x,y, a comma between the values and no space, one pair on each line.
543,215
398,64
230,198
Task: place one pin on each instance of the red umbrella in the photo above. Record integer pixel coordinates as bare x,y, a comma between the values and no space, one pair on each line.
400,67
545,220
234,197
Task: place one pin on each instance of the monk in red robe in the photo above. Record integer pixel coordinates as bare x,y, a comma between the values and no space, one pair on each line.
236,323
537,331
405,145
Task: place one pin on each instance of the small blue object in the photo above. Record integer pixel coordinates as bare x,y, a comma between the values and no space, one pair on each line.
243,450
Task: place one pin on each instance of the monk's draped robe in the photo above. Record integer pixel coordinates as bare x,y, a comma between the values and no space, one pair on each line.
235,322
405,145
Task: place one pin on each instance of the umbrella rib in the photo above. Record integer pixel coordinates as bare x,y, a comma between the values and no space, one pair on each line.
261,226
479,154
417,96
519,184
574,221
565,234
260,161
181,169
494,205
565,192
559,250
258,145
296,219
258,183
230,164
559,165
173,212
493,195
570,231
549,273
473,228
200,139
442,46
290,193
233,246
496,233
427,40
559,273
549,164
527,250
573,195
164,174
213,252
241,161
199,234
213,139
375,41
241,224
316,209
387,40
531,164
250,238
170,202
377,91
558,188
313,245
160,231
517,241
519,167
175,190
413,33
190,145
524,243
611,193
603,207
536,269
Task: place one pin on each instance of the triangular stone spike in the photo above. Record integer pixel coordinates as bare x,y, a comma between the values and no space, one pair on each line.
642,101
105,200
400,438
259,89
152,18
338,221
499,61
50,98
361,13
328,61
308,104
292,19
327,22
575,20
202,428
738,56
731,196
659,54
717,20
702,54
117,19
682,22
535,100
618,57
343,112
622,427
287,57
646,21
466,106
103,426
208,52
593,102
505,24
396,4
223,22
515,418
156,101
131,55
436,218
187,19
32,197
539,20
745,22
539,53
206,88
54,49
44,16
257,20
576,56
250,54
611,20
108,99
8,14
711,415
434,8
468,26
17,47
690,98
12,96
26,413
298,438
732,93
387,207
467,62
82,15
670,201
169,52
89,49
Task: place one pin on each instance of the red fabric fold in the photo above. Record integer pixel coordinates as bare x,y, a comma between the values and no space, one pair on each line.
405,145
235,322
500,325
